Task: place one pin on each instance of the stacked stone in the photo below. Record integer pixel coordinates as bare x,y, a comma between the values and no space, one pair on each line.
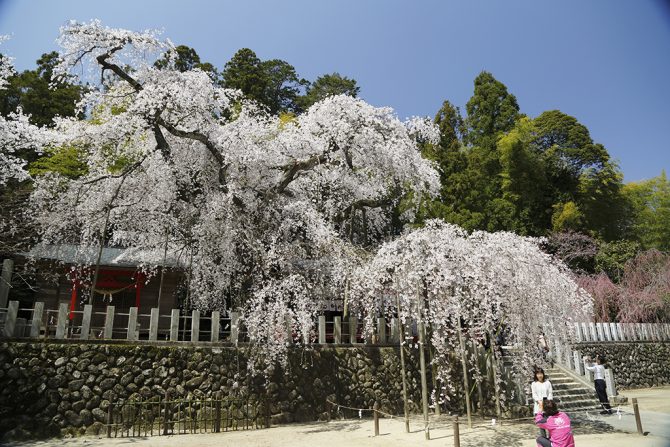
635,364
50,389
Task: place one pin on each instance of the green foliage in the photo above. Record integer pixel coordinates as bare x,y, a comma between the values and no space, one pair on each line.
601,200
566,217
68,161
612,256
30,91
650,214
282,86
273,83
328,85
491,110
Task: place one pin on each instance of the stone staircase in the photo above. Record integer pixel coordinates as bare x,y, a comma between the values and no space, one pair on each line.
573,396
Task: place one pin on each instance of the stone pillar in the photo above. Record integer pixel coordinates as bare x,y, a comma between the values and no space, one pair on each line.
109,323
322,329
609,381
153,324
174,325
10,318
579,363
86,322
195,326
61,323
395,337
234,327
353,329
132,324
337,330
216,321
36,322
381,330
6,281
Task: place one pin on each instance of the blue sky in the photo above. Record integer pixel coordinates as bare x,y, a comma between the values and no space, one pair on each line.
606,62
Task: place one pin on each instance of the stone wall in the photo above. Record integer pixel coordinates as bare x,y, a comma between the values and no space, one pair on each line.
635,364
51,389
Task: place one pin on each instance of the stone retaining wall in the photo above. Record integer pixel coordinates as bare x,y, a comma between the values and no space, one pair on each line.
635,364
51,389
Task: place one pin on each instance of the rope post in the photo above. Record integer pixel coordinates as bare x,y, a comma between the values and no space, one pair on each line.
110,409
165,416
457,435
217,412
375,415
638,421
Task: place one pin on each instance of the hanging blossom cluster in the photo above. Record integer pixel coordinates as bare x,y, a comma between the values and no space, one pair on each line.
482,283
252,206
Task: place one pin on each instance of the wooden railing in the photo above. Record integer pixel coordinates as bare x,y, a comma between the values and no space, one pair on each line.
62,324
618,332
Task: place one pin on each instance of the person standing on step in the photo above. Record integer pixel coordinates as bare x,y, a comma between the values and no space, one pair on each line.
541,390
598,370
556,423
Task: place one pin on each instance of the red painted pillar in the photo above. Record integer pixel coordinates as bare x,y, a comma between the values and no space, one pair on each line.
138,288
73,298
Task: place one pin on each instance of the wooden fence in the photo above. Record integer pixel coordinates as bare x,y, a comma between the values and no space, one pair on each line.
618,332
62,323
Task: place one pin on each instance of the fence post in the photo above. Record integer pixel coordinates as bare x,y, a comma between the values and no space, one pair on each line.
10,319
110,419
108,330
216,321
86,322
217,413
36,322
613,331
153,324
381,330
322,329
165,413
235,327
61,322
638,421
457,435
353,329
620,331
174,325
609,380
195,326
375,416
337,330
579,363
132,324
6,281
394,330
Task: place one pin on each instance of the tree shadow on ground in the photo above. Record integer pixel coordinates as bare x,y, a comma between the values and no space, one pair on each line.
512,435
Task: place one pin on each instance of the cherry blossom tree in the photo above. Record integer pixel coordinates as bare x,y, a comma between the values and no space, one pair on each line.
16,133
642,295
475,284
255,207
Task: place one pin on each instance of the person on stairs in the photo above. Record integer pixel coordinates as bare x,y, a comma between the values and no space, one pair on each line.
556,423
598,370
541,390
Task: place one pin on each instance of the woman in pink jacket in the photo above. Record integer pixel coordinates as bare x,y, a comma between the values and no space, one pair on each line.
556,423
